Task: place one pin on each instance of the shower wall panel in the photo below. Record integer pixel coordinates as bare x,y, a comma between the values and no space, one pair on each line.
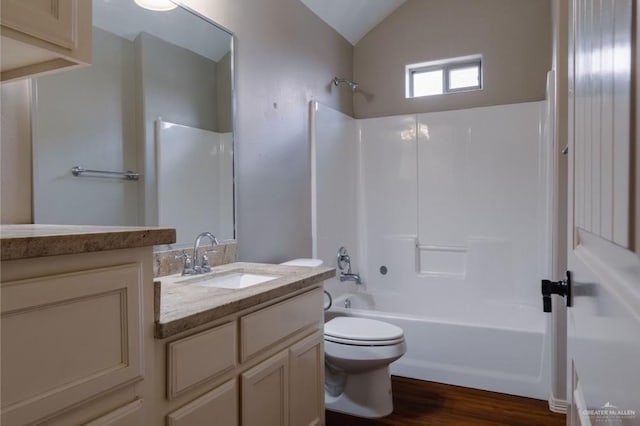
480,189
335,165
388,207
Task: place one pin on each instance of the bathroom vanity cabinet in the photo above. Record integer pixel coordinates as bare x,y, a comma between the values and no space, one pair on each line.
88,338
259,366
77,324
43,36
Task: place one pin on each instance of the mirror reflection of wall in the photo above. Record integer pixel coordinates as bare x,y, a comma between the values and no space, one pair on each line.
147,66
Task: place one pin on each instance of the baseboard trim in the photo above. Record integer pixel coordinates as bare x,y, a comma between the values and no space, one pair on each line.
559,406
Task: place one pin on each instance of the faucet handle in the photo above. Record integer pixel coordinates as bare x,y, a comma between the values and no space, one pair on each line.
205,266
187,267
344,260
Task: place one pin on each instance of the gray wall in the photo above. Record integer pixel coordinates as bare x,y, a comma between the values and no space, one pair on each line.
514,37
286,56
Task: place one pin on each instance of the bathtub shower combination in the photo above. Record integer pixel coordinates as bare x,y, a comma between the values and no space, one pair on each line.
445,218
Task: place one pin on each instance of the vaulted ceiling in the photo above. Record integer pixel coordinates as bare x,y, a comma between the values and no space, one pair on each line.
353,18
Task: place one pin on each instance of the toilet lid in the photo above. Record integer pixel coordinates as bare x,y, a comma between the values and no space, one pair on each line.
361,329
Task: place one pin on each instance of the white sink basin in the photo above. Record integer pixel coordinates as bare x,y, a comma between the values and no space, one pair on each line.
234,280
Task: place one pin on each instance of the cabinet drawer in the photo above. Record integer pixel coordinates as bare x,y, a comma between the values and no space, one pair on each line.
268,326
218,407
201,357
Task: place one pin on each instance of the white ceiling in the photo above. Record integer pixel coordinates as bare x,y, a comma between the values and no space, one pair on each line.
126,19
353,18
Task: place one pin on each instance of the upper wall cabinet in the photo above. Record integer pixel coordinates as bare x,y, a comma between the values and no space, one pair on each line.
40,36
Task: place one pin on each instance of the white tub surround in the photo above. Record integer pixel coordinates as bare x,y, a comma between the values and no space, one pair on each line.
446,217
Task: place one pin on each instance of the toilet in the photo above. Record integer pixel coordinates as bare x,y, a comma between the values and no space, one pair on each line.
358,352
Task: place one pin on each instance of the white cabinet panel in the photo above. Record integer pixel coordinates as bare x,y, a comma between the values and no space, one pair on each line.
201,357
306,360
265,393
53,21
66,337
218,407
129,415
40,36
268,326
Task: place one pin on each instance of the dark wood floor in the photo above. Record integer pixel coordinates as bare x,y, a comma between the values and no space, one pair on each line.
421,403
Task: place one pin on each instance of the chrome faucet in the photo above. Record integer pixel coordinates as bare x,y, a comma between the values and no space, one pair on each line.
350,277
200,263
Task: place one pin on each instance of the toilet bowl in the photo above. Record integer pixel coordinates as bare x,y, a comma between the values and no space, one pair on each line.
358,352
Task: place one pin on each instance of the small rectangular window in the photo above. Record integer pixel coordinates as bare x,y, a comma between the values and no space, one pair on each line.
444,76
428,83
464,78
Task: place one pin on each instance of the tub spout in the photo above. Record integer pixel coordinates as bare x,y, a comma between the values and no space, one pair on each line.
350,277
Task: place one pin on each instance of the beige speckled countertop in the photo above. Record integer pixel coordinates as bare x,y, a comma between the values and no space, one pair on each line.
186,305
25,241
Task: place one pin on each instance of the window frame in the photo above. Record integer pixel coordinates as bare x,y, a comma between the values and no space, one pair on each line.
446,65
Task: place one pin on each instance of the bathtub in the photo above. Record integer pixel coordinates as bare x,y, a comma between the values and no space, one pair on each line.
486,345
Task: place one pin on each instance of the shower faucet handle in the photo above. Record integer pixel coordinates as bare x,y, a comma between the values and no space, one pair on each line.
343,258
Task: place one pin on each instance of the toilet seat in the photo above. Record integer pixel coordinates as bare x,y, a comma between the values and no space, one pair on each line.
362,332
355,342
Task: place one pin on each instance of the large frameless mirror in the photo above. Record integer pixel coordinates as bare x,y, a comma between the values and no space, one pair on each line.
143,136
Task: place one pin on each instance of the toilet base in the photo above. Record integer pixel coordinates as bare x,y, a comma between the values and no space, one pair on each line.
365,395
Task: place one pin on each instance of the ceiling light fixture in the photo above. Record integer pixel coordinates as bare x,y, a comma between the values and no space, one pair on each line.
157,5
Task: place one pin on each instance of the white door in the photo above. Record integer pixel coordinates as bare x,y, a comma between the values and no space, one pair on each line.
604,321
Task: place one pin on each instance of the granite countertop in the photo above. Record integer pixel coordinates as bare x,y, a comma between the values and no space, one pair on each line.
185,305
25,241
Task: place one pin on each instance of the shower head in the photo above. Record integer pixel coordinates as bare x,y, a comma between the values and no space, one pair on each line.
352,84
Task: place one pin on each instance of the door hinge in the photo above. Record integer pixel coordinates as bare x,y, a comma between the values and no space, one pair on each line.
562,288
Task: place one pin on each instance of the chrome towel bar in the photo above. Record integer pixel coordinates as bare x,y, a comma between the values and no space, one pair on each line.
80,171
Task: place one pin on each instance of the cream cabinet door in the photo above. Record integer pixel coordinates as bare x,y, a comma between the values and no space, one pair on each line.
53,21
306,360
265,393
129,415
218,407
68,337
